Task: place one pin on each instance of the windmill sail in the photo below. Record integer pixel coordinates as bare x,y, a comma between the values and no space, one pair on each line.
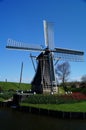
48,34
68,54
12,44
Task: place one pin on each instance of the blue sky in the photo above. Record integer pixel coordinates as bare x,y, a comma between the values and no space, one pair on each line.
22,20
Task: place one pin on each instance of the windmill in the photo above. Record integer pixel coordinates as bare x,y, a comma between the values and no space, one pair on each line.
45,79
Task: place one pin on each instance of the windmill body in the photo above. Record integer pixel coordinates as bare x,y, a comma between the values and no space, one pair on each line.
45,79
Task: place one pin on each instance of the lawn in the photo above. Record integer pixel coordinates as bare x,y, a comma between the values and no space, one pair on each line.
5,86
70,107
7,89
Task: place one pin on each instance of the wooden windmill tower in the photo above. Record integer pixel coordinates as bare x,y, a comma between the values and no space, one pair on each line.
45,79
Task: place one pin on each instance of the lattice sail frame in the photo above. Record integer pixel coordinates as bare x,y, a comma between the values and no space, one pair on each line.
69,55
63,54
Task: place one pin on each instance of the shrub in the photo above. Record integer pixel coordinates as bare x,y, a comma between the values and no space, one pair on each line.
6,95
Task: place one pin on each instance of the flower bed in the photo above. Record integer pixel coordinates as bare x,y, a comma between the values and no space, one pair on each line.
55,99
78,96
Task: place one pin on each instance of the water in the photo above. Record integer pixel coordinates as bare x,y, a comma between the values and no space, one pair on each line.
15,120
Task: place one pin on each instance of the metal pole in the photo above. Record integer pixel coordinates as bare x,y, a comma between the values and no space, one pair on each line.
33,62
21,74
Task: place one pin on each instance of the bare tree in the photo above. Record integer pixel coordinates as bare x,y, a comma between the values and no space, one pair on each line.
63,72
83,78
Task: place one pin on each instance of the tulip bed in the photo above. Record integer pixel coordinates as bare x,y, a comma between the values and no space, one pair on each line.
55,99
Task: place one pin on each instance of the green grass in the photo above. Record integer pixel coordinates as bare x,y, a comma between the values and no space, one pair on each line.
8,89
5,86
1,99
72,107
61,90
